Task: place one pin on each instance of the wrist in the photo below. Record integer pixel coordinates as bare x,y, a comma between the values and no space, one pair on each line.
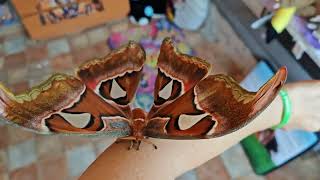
272,115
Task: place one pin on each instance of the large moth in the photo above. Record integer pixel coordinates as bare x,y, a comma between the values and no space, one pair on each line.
188,103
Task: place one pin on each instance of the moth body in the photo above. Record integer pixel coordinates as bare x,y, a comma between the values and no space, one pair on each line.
139,122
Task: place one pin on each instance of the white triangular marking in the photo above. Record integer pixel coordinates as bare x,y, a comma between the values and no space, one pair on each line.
77,120
212,130
187,121
116,91
165,93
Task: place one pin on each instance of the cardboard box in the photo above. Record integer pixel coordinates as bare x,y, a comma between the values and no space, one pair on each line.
28,12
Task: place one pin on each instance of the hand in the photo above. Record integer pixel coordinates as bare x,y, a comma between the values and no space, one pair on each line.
305,100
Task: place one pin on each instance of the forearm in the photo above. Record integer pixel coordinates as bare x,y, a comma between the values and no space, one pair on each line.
173,157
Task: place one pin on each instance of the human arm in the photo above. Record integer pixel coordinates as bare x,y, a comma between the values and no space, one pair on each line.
174,157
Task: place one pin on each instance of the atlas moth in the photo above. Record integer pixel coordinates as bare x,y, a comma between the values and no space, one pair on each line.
188,103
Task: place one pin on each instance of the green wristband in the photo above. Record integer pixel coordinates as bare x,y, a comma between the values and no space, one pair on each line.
287,110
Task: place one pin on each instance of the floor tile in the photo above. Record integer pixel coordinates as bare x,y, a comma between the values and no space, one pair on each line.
17,75
79,41
39,69
102,145
21,154
309,155
62,62
57,47
1,47
102,49
4,137
4,176
25,173
231,45
297,170
15,60
120,26
193,38
18,135
2,123
37,53
250,177
38,80
83,55
190,175
236,162
209,26
213,169
70,142
20,87
13,29
97,35
53,168
1,62
48,146
3,76
79,159
14,45
74,178
3,161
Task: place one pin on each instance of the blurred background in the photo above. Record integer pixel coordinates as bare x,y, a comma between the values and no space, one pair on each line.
41,37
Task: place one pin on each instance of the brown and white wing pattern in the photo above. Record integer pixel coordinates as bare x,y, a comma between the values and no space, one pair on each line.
115,77
63,104
177,73
216,106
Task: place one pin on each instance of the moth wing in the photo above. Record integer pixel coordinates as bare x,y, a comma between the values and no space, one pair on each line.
177,73
216,106
63,104
115,77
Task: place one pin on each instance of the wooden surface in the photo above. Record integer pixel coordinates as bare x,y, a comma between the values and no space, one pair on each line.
25,7
31,21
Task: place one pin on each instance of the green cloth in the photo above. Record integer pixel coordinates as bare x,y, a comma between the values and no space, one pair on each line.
258,155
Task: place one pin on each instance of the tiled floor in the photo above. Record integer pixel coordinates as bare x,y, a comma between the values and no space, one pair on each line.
25,63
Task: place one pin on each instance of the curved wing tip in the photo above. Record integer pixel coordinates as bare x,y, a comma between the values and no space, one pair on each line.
168,42
132,42
283,70
167,39
282,74
132,45
168,46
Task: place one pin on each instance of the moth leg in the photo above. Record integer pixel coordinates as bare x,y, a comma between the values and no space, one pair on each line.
126,140
138,143
135,143
149,142
131,145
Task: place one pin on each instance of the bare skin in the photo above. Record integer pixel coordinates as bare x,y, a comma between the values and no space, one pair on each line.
174,157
